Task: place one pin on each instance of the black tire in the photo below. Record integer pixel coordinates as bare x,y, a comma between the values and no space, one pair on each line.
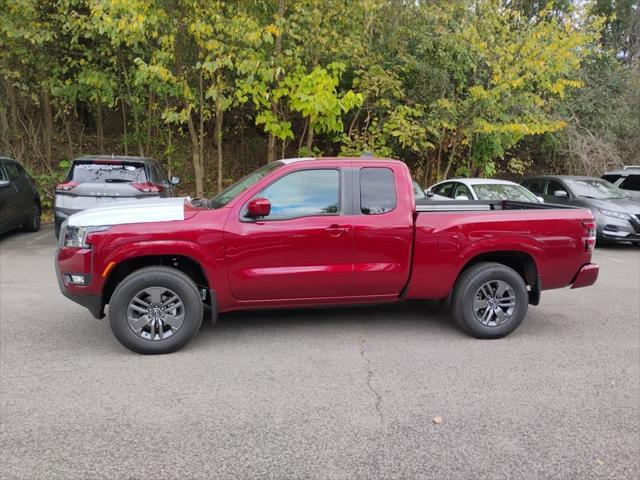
33,224
152,277
468,287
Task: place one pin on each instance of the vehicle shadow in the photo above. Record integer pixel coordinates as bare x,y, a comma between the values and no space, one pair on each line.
425,314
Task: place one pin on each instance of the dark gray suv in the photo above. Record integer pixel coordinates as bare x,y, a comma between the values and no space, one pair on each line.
19,198
616,213
102,181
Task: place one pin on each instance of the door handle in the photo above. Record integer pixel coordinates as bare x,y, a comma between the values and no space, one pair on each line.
337,230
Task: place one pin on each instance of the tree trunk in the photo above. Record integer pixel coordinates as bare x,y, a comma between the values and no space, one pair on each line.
134,110
271,145
271,148
197,159
13,109
150,109
67,129
99,127
310,137
439,157
47,114
124,127
452,157
201,132
218,137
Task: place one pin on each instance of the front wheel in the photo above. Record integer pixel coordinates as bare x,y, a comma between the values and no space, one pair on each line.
155,310
489,300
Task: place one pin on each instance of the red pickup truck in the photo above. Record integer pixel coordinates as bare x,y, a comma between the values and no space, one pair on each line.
305,232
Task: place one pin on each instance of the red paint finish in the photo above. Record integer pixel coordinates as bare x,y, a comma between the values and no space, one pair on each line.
586,276
342,258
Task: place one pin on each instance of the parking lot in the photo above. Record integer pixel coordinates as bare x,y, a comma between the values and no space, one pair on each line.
336,393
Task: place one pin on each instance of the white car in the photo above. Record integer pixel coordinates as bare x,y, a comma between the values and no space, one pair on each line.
483,189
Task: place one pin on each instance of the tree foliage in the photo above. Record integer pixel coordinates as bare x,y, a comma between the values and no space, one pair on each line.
213,88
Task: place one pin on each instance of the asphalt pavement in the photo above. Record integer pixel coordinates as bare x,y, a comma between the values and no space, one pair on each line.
334,394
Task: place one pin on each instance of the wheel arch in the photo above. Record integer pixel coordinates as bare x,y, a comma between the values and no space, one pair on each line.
184,263
522,262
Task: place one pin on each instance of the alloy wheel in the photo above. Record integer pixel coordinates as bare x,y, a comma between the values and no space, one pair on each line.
494,303
155,313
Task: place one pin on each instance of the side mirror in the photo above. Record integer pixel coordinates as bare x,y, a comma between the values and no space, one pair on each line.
560,194
174,180
429,194
540,199
259,207
462,197
4,183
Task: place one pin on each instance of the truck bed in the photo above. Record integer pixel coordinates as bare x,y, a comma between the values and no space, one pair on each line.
427,205
451,234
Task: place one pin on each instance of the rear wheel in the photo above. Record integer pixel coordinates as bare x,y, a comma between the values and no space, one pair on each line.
489,300
155,310
33,224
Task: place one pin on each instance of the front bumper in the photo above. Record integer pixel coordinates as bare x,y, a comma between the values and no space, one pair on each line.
586,276
80,264
618,230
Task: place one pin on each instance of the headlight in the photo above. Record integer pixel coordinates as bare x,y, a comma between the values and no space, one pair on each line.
76,237
611,213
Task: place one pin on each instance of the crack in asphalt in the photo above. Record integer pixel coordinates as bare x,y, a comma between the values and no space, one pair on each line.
378,397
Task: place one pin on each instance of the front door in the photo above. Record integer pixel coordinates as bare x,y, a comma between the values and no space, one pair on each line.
303,249
556,193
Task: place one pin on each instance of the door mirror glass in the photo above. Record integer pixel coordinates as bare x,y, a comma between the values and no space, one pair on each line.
560,194
175,180
4,183
259,207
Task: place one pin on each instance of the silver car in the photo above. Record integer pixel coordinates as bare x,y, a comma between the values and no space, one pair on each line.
100,181
616,213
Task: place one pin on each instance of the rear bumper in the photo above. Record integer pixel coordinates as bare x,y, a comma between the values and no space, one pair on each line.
586,276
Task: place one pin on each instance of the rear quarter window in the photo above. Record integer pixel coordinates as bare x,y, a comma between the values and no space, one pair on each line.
377,190
92,172
632,182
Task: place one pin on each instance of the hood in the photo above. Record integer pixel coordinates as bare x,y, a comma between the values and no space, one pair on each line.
625,205
136,211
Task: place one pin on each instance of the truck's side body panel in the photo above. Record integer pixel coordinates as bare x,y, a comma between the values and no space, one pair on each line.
447,241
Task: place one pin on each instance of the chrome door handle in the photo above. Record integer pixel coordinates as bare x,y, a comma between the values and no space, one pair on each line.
337,230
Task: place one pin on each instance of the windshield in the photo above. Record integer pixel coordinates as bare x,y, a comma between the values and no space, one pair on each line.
516,193
595,188
240,186
417,191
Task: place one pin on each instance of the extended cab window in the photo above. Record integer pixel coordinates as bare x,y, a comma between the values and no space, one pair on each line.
377,190
304,193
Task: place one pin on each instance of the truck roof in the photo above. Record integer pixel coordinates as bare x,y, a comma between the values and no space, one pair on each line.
288,161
